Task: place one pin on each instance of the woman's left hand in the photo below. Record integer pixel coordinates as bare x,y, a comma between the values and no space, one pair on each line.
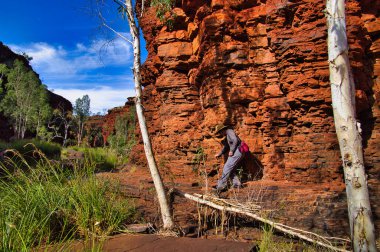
230,154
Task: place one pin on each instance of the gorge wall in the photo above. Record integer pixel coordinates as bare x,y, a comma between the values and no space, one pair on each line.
261,66
108,127
100,127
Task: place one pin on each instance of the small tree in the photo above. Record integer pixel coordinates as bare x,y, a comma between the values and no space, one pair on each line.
348,130
126,9
41,113
81,113
94,135
60,124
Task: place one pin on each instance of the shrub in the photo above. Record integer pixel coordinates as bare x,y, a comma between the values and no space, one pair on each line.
124,139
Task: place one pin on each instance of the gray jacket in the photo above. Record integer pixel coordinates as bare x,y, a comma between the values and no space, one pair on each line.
231,142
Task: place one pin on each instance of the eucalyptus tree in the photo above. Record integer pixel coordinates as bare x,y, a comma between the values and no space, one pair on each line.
60,123
42,112
348,129
127,11
24,100
81,113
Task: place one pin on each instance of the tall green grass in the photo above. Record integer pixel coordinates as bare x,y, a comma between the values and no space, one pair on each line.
104,159
26,147
48,204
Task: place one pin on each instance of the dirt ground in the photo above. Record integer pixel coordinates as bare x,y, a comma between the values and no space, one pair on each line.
155,243
200,227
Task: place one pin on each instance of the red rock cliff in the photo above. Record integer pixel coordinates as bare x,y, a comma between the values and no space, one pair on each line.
260,65
106,123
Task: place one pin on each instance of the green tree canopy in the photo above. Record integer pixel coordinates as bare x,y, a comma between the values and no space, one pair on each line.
25,99
82,107
81,113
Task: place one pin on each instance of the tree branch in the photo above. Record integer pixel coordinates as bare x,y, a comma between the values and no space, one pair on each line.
113,30
301,234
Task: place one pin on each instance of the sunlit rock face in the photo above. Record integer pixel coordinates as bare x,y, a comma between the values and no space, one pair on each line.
262,67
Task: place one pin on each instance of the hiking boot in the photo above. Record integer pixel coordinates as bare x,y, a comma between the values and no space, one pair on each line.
215,192
218,192
238,186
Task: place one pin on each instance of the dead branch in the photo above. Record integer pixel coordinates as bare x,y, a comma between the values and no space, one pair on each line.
232,203
104,23
301,234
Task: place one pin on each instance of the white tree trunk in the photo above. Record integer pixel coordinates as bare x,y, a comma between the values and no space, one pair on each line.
348,130
159,186
38,127
66,125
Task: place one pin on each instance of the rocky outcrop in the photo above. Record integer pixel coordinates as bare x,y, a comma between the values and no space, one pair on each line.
94,131
108,126
59,102
260,66
7,56
105,124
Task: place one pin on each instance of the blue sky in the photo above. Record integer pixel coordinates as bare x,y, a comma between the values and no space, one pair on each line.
73,54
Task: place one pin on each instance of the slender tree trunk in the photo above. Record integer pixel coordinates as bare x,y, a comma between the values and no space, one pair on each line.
81,132
165,210
15,131
65,138
23,128
38,126
18,128
79,135
348,130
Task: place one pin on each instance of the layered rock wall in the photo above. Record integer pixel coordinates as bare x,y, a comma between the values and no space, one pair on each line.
260,66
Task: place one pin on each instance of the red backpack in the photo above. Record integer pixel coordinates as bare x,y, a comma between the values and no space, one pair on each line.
243,148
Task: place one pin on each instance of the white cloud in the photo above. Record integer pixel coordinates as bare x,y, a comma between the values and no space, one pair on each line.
102,98
75,72
80,47
55,61
47,60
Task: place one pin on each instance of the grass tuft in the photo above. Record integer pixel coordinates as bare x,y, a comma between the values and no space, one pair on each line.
47,204
26,147
104,159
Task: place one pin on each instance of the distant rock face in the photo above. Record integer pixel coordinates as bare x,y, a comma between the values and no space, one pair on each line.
57,101
262,67
106,123
7,56
94,125
108,126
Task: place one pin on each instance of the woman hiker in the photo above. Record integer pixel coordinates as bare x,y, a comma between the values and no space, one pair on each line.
231,143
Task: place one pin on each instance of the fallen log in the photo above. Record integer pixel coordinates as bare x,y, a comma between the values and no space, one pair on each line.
301,234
